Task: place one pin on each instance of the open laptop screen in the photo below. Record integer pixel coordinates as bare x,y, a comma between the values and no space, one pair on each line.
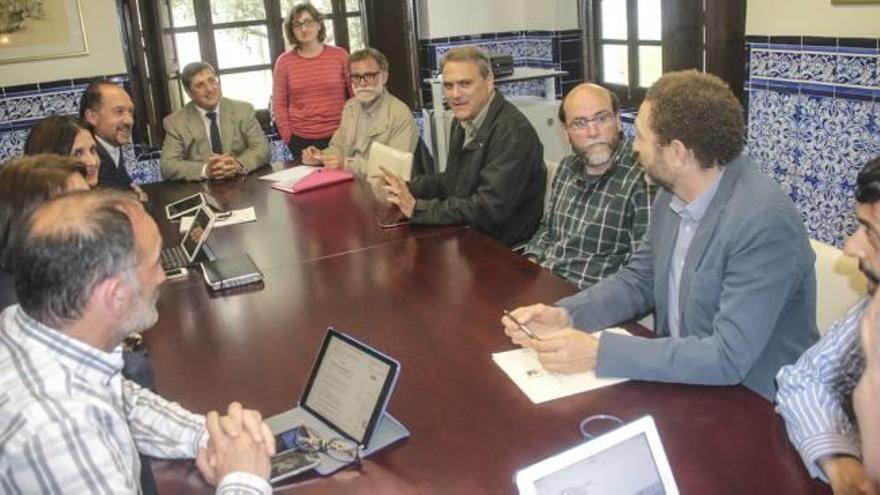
350,386
197,233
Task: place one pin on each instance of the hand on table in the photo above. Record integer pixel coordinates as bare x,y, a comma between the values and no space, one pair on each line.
239,441
333,161
847,475
397,192
312,156
222,167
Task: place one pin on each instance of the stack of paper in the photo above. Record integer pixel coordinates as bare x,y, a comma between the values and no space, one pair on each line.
539,385
305,178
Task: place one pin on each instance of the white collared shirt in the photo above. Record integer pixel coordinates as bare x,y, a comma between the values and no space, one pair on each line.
115,152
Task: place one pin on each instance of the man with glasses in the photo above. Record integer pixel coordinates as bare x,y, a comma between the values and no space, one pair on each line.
495,176
373,115
211,137
817,393
600,204
726,263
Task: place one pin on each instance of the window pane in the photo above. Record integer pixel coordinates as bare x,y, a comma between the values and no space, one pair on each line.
237,10
331,37
182,13
355,34
650,65
187,48
325,7
242,46
615,68
253,87
613,13
352,5
649,19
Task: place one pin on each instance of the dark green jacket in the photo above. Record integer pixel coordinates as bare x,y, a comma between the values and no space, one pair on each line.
494,184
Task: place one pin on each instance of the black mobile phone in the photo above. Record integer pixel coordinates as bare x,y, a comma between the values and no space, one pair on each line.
292,462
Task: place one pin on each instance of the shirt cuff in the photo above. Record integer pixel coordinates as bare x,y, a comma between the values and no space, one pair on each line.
205,171
241,482
819,446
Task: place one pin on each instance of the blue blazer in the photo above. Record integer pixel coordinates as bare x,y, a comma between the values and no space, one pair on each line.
747,295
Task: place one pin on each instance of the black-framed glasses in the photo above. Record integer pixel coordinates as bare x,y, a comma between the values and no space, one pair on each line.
368,77
581,123
306,24
337,448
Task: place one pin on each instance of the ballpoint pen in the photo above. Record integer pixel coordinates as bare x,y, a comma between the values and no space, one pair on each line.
521,326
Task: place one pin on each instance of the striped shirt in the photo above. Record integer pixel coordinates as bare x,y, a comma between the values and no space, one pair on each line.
592,225
815,393
308,93
69,422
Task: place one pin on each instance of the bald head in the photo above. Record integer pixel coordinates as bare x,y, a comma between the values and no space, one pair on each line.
590,91
70,245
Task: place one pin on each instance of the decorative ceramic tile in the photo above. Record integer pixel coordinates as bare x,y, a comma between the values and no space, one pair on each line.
818,67
280,151
856,70
11,143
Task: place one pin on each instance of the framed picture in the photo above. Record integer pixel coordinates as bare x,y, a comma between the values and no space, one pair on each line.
41,29
854,1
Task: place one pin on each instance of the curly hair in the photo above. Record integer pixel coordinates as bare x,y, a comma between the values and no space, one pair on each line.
699,110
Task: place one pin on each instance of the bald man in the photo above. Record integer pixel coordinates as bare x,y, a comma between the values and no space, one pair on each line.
600,204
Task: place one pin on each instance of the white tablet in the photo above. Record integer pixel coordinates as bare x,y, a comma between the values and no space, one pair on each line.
626,461
184,206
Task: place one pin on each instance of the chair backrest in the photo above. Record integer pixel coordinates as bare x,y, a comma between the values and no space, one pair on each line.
839,284
552,167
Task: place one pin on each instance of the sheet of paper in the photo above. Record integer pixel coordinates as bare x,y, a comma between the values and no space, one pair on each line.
291,174
396,161
539,385
238,216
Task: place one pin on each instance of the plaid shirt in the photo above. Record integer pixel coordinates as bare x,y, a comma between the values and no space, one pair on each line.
69,422
591,226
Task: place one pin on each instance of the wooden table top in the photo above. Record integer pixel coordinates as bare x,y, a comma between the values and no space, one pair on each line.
432,299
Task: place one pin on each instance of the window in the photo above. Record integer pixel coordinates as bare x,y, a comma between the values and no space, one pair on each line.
629,45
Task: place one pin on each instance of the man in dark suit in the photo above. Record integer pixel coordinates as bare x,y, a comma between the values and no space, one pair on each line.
109,109
211,137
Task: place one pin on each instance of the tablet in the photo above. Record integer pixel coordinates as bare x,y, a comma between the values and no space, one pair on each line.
184,206
349,386
626,461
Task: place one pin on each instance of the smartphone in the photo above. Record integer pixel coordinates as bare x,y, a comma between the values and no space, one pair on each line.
392,217
290,463
183,206
176,273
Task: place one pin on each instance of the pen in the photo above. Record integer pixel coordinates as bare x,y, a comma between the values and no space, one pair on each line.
522,327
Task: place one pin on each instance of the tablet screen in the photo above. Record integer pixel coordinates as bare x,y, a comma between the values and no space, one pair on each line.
184,205
196,233
349,386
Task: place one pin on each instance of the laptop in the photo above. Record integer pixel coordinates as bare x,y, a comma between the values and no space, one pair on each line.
626,461
184,254
345,398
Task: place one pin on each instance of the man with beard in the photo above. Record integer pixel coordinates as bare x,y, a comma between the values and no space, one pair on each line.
372,115
110,111
495,175
87,275
600,203
726,263
816,393
211,137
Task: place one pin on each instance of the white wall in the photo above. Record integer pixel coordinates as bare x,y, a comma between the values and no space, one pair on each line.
812,18
105,51
442,18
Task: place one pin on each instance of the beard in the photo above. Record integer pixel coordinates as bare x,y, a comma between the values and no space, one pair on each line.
596,153
143,313
367,95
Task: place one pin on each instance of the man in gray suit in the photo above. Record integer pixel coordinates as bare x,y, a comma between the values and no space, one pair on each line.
211,137
726,264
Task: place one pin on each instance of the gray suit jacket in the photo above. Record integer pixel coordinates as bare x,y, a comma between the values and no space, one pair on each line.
187,145
747,297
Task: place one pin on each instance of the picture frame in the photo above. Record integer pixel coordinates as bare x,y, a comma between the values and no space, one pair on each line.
41,29
853,2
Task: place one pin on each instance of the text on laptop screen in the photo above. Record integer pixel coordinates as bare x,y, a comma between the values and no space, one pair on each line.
347,386
195,232
626,468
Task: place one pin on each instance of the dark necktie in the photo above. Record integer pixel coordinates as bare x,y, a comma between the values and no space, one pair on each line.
216,145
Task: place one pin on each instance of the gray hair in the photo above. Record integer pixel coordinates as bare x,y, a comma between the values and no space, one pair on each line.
379,57
469,54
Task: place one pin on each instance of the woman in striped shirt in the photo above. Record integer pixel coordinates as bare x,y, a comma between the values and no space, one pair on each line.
310,83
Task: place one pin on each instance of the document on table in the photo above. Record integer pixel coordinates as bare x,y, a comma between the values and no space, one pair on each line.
539,385
291,174
237,216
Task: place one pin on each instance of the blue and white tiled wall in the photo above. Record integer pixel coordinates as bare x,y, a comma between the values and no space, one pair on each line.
814,120
545,49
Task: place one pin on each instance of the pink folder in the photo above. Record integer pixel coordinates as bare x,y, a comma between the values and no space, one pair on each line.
321,177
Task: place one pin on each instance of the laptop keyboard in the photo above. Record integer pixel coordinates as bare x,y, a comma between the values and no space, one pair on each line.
173,257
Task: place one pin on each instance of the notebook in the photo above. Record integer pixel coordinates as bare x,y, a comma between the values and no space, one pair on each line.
395,161
626,461
319,178
224,273
346,397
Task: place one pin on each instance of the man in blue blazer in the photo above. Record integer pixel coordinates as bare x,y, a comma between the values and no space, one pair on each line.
726,265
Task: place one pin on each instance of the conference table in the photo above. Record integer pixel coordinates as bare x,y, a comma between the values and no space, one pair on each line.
431,297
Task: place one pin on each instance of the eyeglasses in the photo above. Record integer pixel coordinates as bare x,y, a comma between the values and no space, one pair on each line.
581,123
338,449
307,24
367,77
211,82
